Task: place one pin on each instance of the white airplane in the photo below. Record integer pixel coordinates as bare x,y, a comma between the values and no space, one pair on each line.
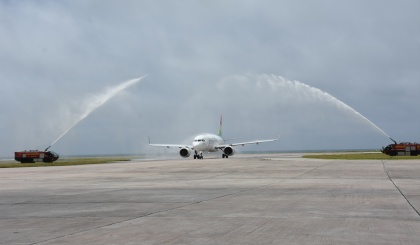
209,143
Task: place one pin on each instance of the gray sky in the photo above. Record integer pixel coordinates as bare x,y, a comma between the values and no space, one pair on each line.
203,59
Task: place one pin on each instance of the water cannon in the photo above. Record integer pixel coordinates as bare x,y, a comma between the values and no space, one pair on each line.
393,140
48,148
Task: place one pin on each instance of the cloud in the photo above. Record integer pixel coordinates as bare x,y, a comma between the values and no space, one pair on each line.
203,59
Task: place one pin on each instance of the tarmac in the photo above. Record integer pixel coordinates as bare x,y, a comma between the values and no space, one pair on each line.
245,199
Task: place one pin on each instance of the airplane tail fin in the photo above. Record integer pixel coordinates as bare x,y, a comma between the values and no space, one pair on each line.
220,127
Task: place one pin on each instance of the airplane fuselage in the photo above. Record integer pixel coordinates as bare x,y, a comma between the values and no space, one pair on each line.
207,142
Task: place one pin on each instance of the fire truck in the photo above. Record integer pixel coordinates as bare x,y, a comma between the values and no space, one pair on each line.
35,156
402,149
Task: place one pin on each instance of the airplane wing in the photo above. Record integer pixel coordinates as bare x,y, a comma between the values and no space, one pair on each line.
171,145
247,143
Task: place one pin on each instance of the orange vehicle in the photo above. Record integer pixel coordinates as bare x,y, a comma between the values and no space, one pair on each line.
36,156
402,149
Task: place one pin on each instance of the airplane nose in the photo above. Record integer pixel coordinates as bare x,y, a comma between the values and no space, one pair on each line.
198,145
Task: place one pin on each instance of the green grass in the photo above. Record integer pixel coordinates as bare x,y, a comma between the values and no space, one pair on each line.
361,156
65,162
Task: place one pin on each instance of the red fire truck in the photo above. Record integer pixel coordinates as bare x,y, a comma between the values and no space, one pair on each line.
402,149
35,156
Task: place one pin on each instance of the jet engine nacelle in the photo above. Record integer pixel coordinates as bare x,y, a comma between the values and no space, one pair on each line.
185,152
229,151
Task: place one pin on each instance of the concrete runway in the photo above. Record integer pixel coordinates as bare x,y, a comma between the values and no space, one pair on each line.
246,199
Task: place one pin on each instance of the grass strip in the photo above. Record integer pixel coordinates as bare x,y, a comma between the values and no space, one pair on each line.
360,156
66,162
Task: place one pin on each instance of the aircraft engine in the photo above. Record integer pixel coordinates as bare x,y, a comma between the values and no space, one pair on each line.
229,151
185,152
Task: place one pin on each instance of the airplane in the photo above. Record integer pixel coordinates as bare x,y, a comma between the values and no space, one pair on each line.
209,143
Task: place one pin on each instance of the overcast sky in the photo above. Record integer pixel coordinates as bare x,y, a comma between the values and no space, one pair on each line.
265,65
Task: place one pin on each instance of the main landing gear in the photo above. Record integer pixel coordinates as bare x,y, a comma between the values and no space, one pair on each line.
198,155
224,155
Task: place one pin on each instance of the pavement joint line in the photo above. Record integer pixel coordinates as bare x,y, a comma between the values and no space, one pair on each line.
114,223
142,216
299,176
170,209
389,177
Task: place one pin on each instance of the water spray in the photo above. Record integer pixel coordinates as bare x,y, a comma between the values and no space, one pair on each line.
319,94
97,102
50,156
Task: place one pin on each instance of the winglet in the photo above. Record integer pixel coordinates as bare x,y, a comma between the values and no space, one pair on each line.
220,126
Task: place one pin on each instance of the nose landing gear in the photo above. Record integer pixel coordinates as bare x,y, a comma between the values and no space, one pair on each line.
198,155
